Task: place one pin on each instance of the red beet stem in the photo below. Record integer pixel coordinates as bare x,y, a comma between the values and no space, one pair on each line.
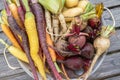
40,19
21,13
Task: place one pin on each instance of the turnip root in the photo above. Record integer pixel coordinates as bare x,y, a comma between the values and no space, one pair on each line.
101,44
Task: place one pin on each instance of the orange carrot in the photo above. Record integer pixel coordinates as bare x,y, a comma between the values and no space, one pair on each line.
9,34
50,43
13,9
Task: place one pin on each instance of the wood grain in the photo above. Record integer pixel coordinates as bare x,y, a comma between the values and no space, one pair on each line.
109,67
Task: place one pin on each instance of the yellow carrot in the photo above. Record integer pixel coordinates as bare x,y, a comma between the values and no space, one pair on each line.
15,52
30,27
13,9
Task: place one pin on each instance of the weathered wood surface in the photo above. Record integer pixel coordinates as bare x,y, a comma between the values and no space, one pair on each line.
110,68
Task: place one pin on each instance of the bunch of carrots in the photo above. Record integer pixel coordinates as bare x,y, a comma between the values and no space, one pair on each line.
34,26
25,28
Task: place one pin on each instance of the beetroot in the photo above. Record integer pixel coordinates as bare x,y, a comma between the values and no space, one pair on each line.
88,51
74,63
77,40
94,22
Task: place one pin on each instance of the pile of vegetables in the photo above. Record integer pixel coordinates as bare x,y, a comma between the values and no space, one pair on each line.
55,37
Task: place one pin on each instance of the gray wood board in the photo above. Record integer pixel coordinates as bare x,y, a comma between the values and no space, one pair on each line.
109,67
107,3
116,14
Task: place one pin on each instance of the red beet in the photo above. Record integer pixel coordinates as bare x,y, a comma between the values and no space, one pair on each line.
77,40
88,51
74,63
94,22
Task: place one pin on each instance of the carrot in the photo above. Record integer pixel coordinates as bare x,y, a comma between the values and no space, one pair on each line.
9,34
15,52
13,9
50,43
20,11
40,20
30,26
18,31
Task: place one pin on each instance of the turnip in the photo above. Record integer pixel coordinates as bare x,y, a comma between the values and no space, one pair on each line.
101,44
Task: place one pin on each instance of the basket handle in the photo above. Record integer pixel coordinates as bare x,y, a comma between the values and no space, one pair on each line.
6,59
113,19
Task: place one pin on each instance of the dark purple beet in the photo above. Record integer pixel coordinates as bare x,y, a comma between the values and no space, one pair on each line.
88,51
77,40
74,63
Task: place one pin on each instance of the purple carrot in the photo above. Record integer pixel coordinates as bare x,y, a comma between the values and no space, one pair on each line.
18,31
40,19
20,11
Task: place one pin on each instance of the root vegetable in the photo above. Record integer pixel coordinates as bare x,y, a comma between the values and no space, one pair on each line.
101,44
74,63
63,23
72,12
88,51
9,34
71,3
82,4
40,22
31,30
14,11
77,40
18,31
15,52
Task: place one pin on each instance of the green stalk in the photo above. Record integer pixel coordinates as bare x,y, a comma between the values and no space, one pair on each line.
9,1
89,7
57,67
88,15
107,31
3,42
26,5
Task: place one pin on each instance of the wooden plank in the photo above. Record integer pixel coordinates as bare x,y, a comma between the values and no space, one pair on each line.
5,70
109,67
115,41
21,76
114,78
116,14
1,4
107,3
3,36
